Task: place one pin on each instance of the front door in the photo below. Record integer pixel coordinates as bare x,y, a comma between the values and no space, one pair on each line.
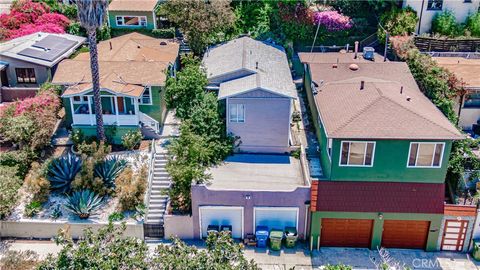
454,235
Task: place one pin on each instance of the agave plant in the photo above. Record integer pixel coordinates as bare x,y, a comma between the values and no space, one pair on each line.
62,171
109,169
83,203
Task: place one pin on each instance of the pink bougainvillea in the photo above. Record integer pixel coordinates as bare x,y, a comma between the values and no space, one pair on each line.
27,17
39,104
332,20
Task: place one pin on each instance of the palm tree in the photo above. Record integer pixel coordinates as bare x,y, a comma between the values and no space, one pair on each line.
91,14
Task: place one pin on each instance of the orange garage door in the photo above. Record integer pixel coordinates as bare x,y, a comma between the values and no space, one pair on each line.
405,234
346,232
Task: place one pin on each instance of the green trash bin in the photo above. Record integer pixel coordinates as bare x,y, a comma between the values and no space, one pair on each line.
476,250
291,237
276,237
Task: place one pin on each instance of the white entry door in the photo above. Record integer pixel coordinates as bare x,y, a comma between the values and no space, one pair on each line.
222,215
276,217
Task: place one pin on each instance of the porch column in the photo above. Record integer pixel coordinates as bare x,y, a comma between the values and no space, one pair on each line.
116,109
137,110
71,108
90,110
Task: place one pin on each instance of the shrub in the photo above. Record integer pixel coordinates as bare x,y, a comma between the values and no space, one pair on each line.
96,150
397,22
33,208
83,203
56,212
446,24
10,183
130,189
15,260
21,159
62,171
37,184
53,18
473,24
86,178
116,216
337,267
132,139
109,169
164,33
332,20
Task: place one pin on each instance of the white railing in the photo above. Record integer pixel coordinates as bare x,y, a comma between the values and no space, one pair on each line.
108,119
153,151
149,121
304,165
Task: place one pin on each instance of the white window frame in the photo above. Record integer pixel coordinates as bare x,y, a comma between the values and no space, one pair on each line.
82,100
150,92
329,148
142,21
230,106
364,154
433,155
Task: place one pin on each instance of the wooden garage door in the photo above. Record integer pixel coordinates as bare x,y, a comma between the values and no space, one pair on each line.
346,232
405,233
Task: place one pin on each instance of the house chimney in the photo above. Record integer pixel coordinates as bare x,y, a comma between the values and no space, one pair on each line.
111,48
362,85
256,65
356,49
401,90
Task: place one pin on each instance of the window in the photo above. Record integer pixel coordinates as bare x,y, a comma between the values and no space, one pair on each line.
80,99
329,148
146,96
237,113
357,153
435,5
131,20
472,100
25,75
427,155
80,105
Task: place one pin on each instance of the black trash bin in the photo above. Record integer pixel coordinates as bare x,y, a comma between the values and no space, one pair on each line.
213,229
226,228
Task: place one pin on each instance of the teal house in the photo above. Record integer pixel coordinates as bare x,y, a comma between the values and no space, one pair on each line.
133,70
384,151
133,14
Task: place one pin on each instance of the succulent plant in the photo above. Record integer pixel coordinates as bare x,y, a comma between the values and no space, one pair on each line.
56,212
109,169
62,171
83,203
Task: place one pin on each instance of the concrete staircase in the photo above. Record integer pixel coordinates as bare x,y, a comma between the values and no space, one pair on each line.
158,193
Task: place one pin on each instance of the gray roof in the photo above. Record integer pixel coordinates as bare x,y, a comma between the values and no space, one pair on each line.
256,64
63,46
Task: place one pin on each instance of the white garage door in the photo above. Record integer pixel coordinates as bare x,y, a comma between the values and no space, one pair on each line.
222,215
276,217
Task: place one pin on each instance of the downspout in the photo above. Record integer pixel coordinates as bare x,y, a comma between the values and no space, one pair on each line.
420,18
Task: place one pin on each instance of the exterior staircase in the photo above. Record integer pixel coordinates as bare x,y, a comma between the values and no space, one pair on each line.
157,198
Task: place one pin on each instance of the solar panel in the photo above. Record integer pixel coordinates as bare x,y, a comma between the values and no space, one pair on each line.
48,48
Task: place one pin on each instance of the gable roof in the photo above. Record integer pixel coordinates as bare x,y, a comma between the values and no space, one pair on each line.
467,70
390,105
55,47
389,197
259,65
127,64
132,5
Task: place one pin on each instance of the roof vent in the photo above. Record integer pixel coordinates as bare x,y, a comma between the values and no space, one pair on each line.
138,46
163,43
409,98
362,85
111,47
369,53
343,51
256,65
401,90
353,67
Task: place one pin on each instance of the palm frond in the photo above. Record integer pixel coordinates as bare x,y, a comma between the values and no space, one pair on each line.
91,13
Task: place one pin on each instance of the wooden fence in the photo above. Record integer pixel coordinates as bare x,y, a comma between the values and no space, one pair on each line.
427,44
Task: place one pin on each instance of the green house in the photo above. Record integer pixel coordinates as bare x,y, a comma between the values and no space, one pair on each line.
384,151
133,70
133,14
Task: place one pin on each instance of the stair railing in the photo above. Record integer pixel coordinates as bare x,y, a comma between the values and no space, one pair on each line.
153,151
149,121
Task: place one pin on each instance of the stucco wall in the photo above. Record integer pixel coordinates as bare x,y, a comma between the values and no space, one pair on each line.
468,117
47,230
117,137
460,8
149,14
42,74
202,196
179,226
267,124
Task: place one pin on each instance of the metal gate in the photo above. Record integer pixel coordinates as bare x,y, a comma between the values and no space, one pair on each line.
454,235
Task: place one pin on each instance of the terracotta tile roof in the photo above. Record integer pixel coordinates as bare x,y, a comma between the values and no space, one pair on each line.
390,105
132,5
134,61
388,197
467,70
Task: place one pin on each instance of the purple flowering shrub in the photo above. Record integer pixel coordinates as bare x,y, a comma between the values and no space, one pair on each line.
332,20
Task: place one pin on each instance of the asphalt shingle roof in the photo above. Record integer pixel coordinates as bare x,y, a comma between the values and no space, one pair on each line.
263,65
389,197
132,5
